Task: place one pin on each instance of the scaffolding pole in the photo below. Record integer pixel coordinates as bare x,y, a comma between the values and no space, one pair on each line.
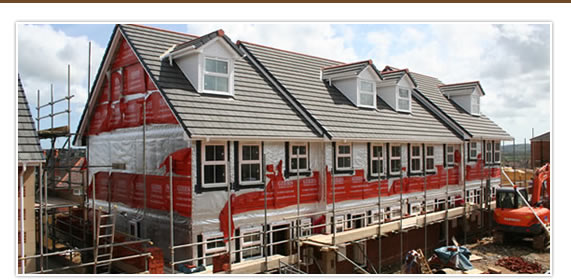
298,232
333,204
265,222
229,218
401,215
381,215
425,211
171,215
446,229
463,168
22,232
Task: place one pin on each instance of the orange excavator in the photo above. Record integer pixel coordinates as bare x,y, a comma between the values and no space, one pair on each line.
515,216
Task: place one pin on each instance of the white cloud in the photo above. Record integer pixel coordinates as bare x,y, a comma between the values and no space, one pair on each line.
314,39
43,56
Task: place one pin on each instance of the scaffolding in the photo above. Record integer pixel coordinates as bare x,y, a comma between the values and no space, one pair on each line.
64,233
382,224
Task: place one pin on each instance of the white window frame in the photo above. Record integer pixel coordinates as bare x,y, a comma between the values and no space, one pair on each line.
398,97
227,75
473,146
360,91
497,151
450,153
205,163
339,223
373,171
375,215
419,157
489,152
305,227
415,208
344,156
241,161
252,230
427,157
271,235
292,157
391,158
395,212
206,253
475,104
430,206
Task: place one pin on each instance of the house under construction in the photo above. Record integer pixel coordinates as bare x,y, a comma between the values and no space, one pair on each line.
207,155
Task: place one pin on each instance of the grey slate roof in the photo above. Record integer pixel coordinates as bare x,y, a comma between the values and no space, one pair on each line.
257,109
352,68
461,86
396,75
478,126
29,148
542,137
300,75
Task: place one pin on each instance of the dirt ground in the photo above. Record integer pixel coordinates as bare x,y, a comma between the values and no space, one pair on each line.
491,253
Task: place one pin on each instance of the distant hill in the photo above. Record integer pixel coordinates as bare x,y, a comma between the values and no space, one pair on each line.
522,155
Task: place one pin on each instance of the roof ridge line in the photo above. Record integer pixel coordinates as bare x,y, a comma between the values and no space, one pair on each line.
347,64
288,51
457,84
160,29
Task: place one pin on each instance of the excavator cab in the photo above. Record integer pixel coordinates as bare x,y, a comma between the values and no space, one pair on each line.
507,198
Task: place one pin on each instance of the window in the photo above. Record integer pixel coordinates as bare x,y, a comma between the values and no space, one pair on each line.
298,151
403,100
449,155
343,155
214,244
430,158
216,75
250,243
497,151
375,216
475,104
339,223
415,159
214,165
415,208
134,229
377,160
395,212
473,150
429,206
250,163
489,153
305,227
395,158
366,94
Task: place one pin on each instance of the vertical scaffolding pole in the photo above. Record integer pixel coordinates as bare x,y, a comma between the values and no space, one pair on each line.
333,204
22,229
94,226
171,215
69,157
446,229
298,235
41,218
381,215
514,161
229,215
143,220
47,217
401,215
265,221
525,170
482,196
425,210
463,168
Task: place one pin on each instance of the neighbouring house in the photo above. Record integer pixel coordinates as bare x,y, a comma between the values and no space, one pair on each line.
540,149
30,161
225,121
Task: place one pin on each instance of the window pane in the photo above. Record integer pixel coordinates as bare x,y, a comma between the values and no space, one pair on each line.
366,86
220,174
473,153
216,66
450,149
403,104
215,83
377,151
209,153
395,151
340,162
429,150
302,150
395,165
429,163
293,164
375,166
416,151
498,146
344,149
403,93
246,153
366,99
209,174
250,172
450,159
220,152
346,162
303,163
474,145
415,164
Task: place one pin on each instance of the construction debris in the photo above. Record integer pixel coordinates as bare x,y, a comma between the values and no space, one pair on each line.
457,257
519,265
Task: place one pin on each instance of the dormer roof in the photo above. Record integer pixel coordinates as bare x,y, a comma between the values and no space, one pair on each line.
395,75
195,45
461,88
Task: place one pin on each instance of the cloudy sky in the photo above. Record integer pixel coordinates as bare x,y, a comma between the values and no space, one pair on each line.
512,61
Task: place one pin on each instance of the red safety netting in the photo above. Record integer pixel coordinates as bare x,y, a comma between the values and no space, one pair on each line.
128,188
128,77
480,172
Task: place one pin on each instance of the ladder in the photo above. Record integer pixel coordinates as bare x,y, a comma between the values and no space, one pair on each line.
105,235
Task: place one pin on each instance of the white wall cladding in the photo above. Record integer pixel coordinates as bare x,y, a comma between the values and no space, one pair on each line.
274,152
125,145
360,156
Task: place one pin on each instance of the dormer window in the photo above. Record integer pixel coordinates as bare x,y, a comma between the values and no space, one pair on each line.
367,94
403,100
216,75
475,104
